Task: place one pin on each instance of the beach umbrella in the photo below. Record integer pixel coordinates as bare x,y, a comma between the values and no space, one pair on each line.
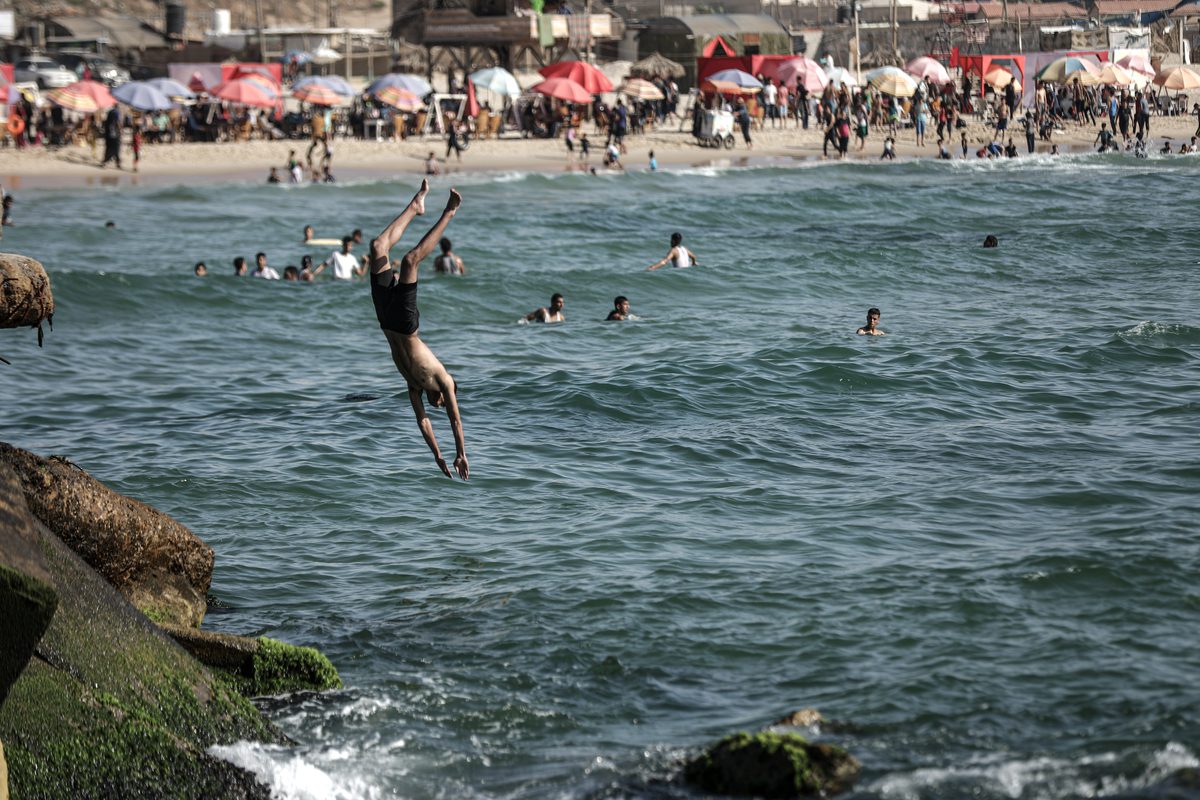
658,64
1178,78
244,92
296,57
641,89
929,69
268,85
1137,63
399,99
324,54
587,76
171,88
563,89
725,87
893,81
142,96
1061,70
801,71
95,90
1109,75
736,76
998,77
72,99
409,83
320,95
840,76
498,80
334,82
196,83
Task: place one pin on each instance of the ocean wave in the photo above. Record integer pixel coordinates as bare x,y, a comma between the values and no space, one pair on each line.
290,775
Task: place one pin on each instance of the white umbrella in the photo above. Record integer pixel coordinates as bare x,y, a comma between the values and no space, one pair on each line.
325,54
498,80
840,76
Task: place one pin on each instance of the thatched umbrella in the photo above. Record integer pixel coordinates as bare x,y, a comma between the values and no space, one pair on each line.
658,65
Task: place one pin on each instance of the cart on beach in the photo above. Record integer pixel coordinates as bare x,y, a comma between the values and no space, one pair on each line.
716,129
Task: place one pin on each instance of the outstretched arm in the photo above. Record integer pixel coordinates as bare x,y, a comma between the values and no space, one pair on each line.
663,262
414,397
460,444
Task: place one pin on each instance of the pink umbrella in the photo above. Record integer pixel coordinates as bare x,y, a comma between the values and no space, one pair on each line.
320,95
564,89
97,91
397,98
802,71
1136,63
587,76
244,92
928,68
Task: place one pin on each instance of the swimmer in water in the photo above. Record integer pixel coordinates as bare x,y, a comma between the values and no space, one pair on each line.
871,329
308,234
200,270
620,310
395,298
678,256
550,313
448,263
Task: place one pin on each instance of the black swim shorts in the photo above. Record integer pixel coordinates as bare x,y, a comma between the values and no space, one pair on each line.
395,303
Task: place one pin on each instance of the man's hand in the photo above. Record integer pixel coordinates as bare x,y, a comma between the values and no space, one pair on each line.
461,466
441,462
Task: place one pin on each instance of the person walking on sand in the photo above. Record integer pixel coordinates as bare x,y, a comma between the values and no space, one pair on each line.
394,295
678,256
112,137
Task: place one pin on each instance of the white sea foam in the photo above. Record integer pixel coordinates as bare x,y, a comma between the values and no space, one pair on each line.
290,776
1034,778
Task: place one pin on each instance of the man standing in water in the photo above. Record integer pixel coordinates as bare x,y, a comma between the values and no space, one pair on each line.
871,328
395,298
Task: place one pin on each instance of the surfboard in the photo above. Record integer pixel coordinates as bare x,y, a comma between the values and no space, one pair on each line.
324,242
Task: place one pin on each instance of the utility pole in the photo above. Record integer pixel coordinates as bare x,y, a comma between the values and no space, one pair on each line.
857,45
587,11
894,49
262,39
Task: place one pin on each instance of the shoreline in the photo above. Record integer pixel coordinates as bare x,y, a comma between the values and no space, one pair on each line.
73,166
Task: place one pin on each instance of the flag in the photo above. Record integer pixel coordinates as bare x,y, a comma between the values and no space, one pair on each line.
472,103
545,30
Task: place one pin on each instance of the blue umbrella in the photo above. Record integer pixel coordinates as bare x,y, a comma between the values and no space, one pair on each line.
331,82
409,83
296,56
743,79
171,88
142,96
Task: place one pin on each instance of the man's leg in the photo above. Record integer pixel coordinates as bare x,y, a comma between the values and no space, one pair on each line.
382,244
413,258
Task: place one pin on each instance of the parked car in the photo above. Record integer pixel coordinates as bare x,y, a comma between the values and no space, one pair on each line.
101,68
45,73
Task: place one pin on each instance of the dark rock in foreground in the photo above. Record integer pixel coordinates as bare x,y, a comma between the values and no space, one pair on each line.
769,764
110,706
161,566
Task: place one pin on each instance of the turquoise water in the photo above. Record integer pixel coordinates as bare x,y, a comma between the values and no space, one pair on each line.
972,542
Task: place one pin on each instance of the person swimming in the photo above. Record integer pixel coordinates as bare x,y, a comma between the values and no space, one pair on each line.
550,313
620,310
871,328
678,256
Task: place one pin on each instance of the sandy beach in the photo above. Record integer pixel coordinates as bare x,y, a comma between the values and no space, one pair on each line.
355,158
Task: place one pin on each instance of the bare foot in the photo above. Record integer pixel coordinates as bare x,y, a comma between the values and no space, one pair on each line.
418,201
455,200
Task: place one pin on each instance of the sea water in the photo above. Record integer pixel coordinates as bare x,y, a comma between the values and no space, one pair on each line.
971,543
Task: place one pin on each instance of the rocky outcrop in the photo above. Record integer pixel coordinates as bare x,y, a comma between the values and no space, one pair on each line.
27,596
262,666
161,566
110,706
25,298
769,764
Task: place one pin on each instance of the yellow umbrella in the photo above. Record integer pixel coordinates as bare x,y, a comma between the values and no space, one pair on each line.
1109,75
641,89
1177,79
893,81
998,77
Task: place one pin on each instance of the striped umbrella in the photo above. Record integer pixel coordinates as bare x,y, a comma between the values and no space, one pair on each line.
893,81
333,82
97,91
320,95
72,99
399,99
1061,70
740,77
641,89
802,71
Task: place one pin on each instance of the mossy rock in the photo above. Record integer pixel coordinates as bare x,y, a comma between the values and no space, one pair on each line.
112,707
278,668
769,764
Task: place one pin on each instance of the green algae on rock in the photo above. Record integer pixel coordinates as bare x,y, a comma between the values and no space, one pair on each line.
769,764
111,707
259,667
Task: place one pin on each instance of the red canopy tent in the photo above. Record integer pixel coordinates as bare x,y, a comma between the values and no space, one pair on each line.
980,65
755,65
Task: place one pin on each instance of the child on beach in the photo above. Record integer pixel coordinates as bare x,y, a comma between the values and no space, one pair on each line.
653,162
889,149
583,147
136,143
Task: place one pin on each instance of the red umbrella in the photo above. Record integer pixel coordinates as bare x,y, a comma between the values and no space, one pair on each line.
197,84
245,92
97,91
585,75
563,89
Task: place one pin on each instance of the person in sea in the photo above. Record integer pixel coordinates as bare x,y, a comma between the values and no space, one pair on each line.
448,263
395,299
620,310
678,256
273,176
200,270
549,313
262,270
345,266
308,234
239,266
306,270
872,326
432,166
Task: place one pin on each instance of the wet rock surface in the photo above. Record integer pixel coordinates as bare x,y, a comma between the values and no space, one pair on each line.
769,764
